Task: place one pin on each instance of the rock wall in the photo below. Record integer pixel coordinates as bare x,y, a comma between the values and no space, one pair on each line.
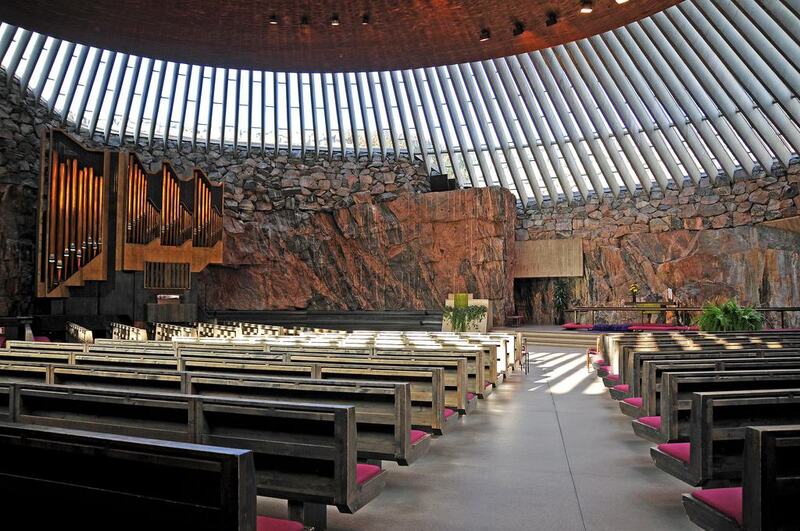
312,233
706,242
408,253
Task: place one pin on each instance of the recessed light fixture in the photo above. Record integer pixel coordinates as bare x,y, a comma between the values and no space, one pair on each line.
273,19
621,1
365,19
586,6
519,28
304,20
552,18
335,20
485,35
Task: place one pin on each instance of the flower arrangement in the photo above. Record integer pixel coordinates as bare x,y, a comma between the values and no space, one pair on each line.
633,290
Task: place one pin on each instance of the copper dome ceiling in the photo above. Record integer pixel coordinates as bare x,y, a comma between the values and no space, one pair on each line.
298,35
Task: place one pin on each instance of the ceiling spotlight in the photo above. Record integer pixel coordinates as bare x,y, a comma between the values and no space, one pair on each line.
304,20
552,18
621,1
586,6
335,20
273,19
519,28
485,35
365,19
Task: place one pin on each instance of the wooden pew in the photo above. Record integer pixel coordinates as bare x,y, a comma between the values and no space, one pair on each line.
770,487
633,386
714,454
383,409
321,471
677,388
653,371
456,396
67,479
427,388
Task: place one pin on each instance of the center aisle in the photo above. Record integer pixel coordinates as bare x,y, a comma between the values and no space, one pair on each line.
544,452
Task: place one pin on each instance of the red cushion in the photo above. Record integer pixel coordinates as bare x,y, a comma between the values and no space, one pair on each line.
680,451
365,472
417,435
265,523
653,422
2,341
661,328
728,501
622,388
613,377
487,384
449,412
576,326
635,401
470,396
41,339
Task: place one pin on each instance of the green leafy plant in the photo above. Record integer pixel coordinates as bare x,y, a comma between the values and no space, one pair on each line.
560,299
463,318
462,315
728,317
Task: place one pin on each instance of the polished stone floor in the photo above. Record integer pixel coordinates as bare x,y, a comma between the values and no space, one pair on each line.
547,451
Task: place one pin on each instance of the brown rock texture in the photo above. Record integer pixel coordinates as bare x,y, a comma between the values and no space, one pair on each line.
408,253
679,240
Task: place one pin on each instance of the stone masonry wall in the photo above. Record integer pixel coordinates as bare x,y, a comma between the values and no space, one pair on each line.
706,241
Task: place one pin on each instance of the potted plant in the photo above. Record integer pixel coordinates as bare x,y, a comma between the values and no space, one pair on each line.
729,317
463,316
560,299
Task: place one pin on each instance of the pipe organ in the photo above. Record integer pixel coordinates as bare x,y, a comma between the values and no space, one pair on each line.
72,215
91,200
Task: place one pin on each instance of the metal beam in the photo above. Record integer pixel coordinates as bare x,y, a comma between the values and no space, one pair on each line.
49,61
101,94
187,86
364,114
225,84
171,102
212,89
401,112
33,58
123,124
338,102
351,112
451,99
314,119
115,95
327,113
438,104
162,73
373,95
22,43
437,150
76,76
301,106
415,115
484,82
201,79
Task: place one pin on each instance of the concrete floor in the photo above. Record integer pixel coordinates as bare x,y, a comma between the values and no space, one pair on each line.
547,451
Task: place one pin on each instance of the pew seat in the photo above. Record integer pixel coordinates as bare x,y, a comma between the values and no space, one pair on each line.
365,472
631,406
449,412
649,428
726,501
266,523
619,391
675,459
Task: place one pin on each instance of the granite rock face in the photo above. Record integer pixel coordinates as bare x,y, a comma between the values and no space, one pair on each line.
408,253
706,242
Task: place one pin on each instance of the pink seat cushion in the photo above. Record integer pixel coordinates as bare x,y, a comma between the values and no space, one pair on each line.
728,501
613,377
576,326
365,472
41,339
622,388
449,412
417,435
680,451
653,422
2,341
265,523
635,401
487,384
470,396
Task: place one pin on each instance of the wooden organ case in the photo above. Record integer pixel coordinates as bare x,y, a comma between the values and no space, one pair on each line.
73,215
161,224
